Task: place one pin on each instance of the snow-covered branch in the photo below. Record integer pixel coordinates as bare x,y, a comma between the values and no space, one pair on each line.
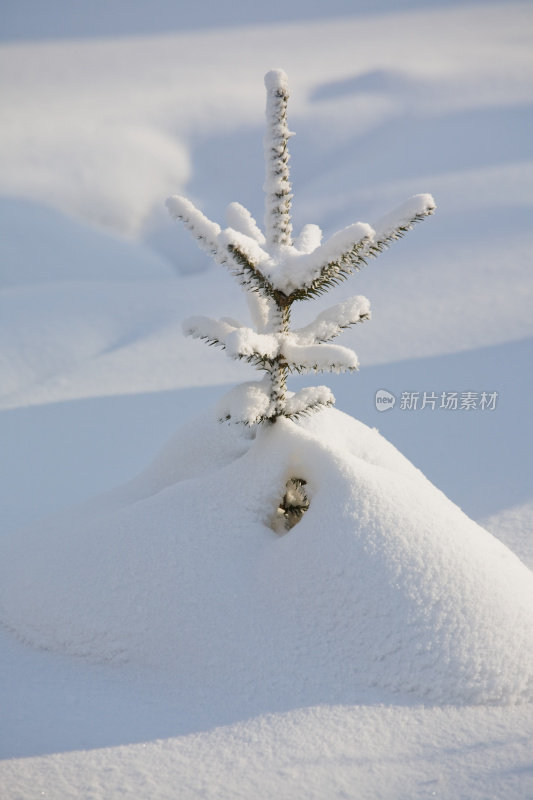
248,275
239,218
261,308
263,349
245,254
278,227
236,250
308,400
317,357
329,323
309,238
399,221
247,246
203,229
238,341
248,403
303,276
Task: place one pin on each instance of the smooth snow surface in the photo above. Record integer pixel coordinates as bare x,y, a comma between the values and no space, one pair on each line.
383,584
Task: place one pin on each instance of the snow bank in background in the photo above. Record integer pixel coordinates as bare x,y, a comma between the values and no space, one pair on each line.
106,128
514,527
384,583
41,245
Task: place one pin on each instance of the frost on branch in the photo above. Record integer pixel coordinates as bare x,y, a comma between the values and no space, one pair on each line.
400,220
238,341
204,231
276,272
307,274
248,403
278,227
334,320
318,357
306,400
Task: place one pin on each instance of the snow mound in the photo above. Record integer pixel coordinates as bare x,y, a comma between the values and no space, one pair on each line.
384,584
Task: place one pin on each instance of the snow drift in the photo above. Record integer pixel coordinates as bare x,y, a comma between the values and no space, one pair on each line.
384,583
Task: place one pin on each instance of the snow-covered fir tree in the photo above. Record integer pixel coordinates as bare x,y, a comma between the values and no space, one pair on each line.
276,271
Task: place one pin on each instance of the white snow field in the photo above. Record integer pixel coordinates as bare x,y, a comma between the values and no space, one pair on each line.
159,639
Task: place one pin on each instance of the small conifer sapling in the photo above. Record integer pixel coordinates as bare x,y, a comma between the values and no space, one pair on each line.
276,271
